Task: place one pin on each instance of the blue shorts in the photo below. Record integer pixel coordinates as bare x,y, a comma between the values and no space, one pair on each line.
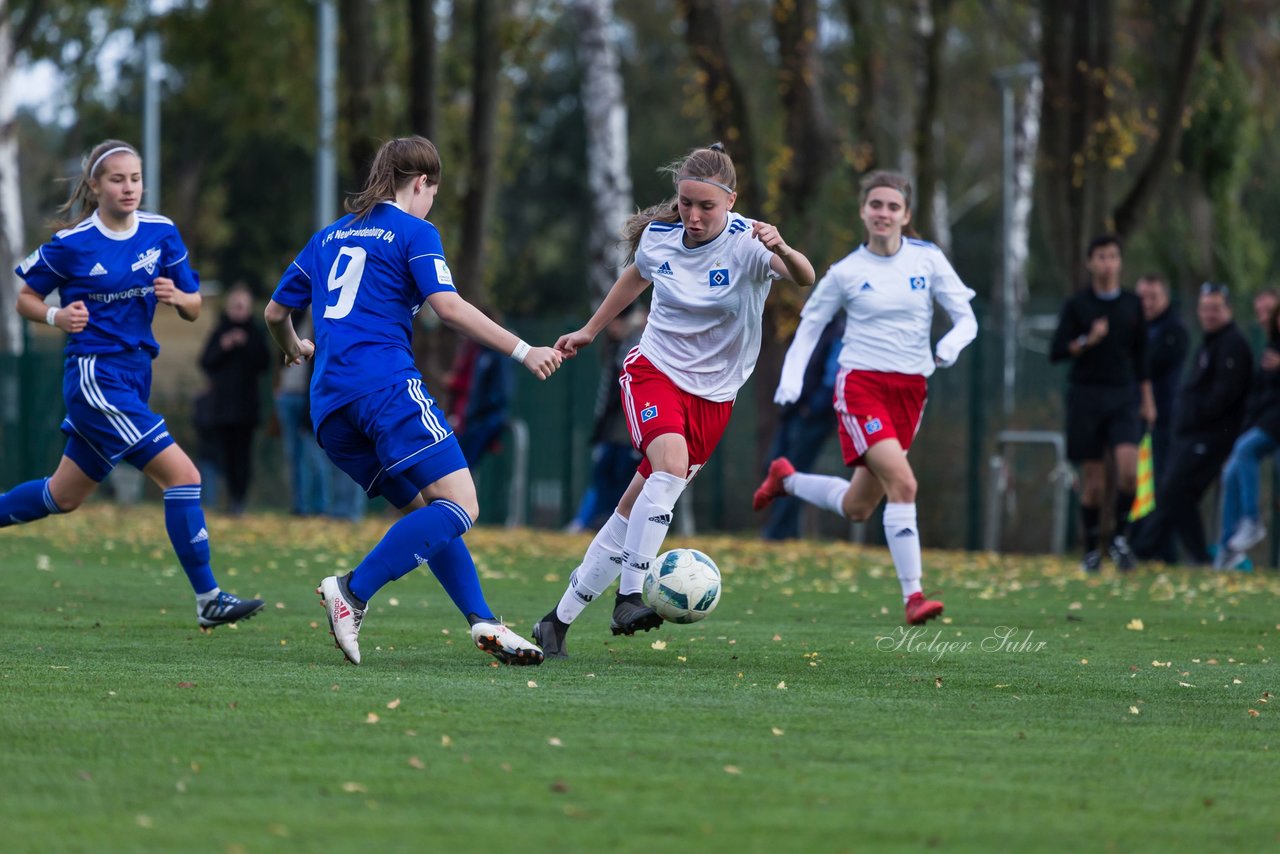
393,442
107,415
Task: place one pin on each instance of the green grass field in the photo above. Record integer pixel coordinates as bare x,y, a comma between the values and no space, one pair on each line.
1117,714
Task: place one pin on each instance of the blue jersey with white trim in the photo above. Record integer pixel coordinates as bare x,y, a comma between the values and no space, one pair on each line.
368,278
113,273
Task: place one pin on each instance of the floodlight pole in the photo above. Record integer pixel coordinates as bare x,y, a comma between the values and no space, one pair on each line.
327,75
153,75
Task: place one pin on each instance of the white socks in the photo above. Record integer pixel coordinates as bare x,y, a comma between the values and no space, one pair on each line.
600,566
821,490
647,528
903,537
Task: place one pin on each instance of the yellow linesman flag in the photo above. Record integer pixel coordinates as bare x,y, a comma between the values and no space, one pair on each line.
1144,500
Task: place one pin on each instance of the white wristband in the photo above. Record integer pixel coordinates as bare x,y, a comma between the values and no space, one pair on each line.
522,349
50,315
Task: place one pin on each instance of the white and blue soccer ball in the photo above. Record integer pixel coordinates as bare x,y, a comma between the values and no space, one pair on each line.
682,585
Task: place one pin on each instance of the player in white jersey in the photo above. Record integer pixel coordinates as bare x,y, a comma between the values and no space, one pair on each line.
887,287
711,271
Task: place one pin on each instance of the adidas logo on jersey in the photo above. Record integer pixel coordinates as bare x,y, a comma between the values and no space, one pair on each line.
866,286
664,270
202,537
905,532
661,519
98,270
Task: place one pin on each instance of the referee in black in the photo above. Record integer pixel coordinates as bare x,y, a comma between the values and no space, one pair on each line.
1102,331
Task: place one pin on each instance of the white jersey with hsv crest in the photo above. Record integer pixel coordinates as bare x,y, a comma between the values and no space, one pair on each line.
705,319
889,300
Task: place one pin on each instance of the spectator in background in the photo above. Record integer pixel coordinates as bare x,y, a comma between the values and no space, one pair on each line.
805,426
480,387
1167,345
235,356
308,468
1211,407
1102,331
1265,302
613,458
1242,527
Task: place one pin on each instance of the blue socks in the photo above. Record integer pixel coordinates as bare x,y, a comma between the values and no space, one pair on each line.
184,520
27,502
431,535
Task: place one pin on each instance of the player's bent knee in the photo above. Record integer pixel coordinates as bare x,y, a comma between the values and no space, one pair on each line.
857,511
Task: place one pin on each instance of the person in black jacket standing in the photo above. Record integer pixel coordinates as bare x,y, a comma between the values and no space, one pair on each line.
1102,331
1167,344
235,356
1211,408
1242,527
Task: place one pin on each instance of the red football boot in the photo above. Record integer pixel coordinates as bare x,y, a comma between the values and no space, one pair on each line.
772,488
921,610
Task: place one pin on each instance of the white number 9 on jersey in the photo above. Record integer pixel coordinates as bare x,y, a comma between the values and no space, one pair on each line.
348,283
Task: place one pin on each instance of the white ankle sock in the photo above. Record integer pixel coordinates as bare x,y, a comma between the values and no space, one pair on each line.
650,521
204,598
822,490
903,536
600,566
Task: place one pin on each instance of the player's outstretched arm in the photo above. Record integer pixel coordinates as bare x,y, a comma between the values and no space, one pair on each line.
786,262
70,318
461,316
624,292
280,324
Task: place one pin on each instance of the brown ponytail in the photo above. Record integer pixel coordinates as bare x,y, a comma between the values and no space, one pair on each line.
711,163
398,162
83,201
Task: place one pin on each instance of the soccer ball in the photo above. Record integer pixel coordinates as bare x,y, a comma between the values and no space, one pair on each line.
682,585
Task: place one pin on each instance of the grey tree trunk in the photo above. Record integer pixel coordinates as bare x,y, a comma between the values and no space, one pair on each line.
422,67
10,196
486,57
605,112
1026,141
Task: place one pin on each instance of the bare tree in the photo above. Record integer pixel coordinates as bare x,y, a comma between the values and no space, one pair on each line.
807,131
1169,133
423,59
867,62
358,85
705,35
931,22
486,57
11,228
606,117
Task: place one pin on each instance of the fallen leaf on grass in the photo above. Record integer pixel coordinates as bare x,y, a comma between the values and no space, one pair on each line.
445,741
1186,685
1133,710
394,704
1253,713
352,788
782,686
371,718
937,681
777,731
532,684
415,762
186,684
732,769
1135,625
145,821
659,644
555,742
559,786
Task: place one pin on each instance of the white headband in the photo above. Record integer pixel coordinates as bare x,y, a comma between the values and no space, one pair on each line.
724,187
108,153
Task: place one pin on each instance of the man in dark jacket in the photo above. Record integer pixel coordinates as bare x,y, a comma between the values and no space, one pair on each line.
1211,408
235,357
1167,345
1102,332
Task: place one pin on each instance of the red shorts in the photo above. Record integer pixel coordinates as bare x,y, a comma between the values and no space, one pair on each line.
872,406
654,405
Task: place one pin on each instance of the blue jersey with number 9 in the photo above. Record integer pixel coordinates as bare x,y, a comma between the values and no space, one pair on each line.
366,279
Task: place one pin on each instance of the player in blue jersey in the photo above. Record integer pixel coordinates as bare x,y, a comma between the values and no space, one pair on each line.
112,264
368,274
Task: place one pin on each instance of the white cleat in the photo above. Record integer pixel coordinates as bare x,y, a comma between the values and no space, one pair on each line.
1248,534
504,644
344,618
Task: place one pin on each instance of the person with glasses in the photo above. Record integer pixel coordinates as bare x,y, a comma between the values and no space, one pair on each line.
1211,409
1102,332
